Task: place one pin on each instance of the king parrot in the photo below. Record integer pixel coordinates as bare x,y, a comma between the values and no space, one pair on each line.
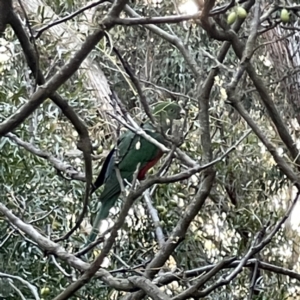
132,151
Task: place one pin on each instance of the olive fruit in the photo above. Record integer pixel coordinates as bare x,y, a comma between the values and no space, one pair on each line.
231,18
241,12
45,291
284,16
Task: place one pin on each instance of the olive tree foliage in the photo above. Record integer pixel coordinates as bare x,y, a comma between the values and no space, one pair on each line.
217,217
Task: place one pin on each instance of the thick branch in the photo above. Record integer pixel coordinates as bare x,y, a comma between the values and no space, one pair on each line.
58,79
84,143
115,10
266,99
149,288
54,248
5,11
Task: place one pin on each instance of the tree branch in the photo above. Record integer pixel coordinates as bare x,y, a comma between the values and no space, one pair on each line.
253,250
167,278
84,143
191,291
266,99
43,92
32,288
149,288
282,164
5,11
156,20
69,17
58,164
172,39
57,250
154,215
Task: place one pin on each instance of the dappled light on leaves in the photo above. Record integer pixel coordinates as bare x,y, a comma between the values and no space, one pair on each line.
217,216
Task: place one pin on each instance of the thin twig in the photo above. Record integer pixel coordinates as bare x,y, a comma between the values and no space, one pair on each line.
16,289
203,279
98,241
156,20
34,44
253,280
32,288
60,268
137,85
57,164
54,248
44,216
69,17
155,218
139,131
131,269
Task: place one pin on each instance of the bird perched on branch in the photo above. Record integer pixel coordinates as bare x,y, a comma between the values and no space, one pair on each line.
132,154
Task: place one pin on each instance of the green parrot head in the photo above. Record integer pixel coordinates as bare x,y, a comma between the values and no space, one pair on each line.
166,112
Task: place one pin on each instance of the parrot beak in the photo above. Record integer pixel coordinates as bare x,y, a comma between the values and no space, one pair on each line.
182,113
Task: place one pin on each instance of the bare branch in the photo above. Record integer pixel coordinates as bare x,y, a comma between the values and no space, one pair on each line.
189,172
57,250
282,130
254,277
137,85
69,17
16,289
32,288
173,39
91,271
253,249
156,20
134,127
58,164
154,215
84,142
149,288
98,241
60,268
250,44
282,164
178,232
203,91
48,89
194,288
276,228
167,278
132,269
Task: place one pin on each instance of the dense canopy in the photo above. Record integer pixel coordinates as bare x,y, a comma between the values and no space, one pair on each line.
218,216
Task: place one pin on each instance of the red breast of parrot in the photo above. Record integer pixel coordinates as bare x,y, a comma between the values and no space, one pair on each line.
149,165
131,152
